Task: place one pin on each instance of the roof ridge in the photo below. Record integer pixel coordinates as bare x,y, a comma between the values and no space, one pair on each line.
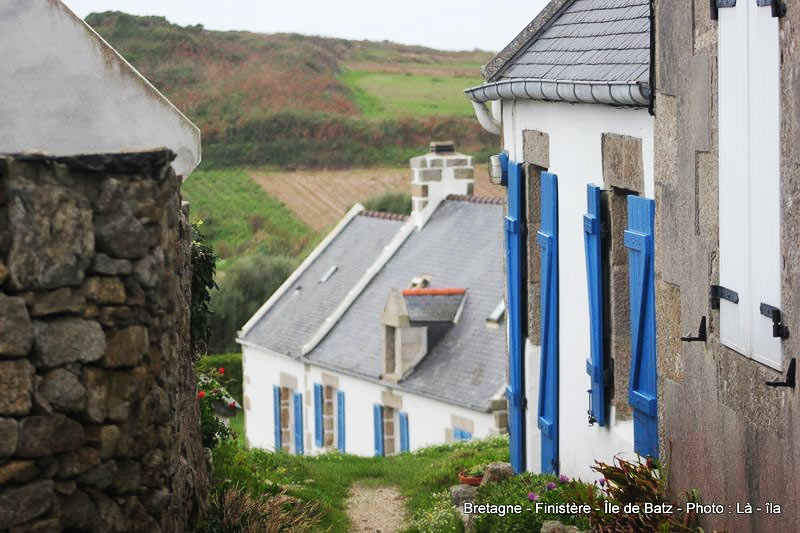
494,200
429,291
383,215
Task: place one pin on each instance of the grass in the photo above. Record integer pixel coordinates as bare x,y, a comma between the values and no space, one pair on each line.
239,217
382,95
326,479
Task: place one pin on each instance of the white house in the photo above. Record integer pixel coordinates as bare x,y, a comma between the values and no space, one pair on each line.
389,337
66,91
570,98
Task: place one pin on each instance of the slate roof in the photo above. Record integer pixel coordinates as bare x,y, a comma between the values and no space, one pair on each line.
590,40
460,246
577,51
293,318
433,305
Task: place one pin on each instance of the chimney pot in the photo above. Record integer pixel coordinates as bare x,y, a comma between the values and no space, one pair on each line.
442,147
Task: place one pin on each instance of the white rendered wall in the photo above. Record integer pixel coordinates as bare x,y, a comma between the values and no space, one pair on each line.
65,91
575,132
261,371
427,418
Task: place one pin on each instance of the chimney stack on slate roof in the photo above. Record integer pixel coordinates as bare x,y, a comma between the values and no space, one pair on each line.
440,172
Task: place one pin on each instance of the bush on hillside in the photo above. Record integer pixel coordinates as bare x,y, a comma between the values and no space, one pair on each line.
390,202
232,363
246,286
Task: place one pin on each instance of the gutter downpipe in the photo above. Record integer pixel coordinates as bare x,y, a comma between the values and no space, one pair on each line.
485,118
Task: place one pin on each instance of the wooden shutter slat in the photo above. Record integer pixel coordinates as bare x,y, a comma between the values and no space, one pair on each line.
547,239
595,365
340,412
377,418
642,388
319,439
298,423
276,398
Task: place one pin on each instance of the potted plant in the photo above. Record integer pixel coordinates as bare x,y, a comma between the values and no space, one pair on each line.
473,476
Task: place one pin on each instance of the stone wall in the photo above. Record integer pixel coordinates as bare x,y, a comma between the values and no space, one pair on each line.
99,426
730,436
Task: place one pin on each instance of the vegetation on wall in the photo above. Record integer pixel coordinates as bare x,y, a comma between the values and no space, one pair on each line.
203,263
231,363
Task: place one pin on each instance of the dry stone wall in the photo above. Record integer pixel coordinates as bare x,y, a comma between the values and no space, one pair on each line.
99,425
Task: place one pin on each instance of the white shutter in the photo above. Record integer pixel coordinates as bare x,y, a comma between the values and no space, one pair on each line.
765,211
733,175
749,177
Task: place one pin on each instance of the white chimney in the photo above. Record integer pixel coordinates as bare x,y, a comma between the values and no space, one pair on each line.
437,174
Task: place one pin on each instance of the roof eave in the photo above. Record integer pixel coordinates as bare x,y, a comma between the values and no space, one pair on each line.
620,93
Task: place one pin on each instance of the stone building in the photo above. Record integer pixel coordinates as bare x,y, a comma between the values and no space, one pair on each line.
684,293
389,337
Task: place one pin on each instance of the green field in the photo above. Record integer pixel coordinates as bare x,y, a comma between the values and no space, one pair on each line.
393,95
239,217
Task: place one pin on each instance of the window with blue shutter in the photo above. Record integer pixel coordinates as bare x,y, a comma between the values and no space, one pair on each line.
595,365
461,434
276,399
642,392
377,417
298,423
403,418
319,439
517,312
340,443
547,239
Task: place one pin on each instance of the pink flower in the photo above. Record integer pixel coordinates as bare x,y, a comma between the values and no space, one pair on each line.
532,496
201,394
563,479
232,405
602,482
551,485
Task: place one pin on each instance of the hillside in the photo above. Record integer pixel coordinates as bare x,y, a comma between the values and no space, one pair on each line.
294,101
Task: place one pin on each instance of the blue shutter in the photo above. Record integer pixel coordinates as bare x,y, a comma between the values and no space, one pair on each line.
595,365
515,257
642,387
318,405
298,423
276,398
547,239
340,419
377,417
403,432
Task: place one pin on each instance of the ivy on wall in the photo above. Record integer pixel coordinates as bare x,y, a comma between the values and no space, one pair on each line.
203,268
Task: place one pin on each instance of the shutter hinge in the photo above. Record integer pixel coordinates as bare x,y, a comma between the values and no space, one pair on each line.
718,291
779,329
702,333
790,377
778,7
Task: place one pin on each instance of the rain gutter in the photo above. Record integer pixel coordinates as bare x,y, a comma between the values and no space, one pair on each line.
621,93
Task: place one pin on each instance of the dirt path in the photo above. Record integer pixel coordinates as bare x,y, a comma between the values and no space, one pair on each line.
376,509
321,197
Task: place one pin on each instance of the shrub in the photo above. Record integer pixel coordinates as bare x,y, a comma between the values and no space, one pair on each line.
526,490
639,483
246,286
212,430
237,511
232,378
390,202
441,517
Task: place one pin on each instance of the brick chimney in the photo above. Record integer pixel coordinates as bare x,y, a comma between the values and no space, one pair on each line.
440,172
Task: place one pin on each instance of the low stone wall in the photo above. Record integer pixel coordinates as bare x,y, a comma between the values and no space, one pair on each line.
99,425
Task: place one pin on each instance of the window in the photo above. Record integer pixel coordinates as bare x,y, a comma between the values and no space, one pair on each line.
461,434
328,417
749,180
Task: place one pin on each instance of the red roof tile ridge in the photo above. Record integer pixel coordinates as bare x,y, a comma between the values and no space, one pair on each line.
476,199
382,215
430,291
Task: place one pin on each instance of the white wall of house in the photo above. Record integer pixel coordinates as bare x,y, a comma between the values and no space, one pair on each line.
427,418
575,132
65,91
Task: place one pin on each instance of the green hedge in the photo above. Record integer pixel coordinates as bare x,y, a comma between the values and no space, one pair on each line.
232,363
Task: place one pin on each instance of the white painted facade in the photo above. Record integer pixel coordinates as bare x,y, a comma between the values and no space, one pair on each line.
575,133
427,418
65,91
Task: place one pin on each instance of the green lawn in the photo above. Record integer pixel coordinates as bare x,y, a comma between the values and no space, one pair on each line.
385,95
239,217
326,479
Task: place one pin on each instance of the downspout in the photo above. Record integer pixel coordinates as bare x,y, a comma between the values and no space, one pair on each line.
485,118
652,105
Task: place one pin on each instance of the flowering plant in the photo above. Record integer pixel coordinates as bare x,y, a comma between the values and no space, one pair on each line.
212,393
